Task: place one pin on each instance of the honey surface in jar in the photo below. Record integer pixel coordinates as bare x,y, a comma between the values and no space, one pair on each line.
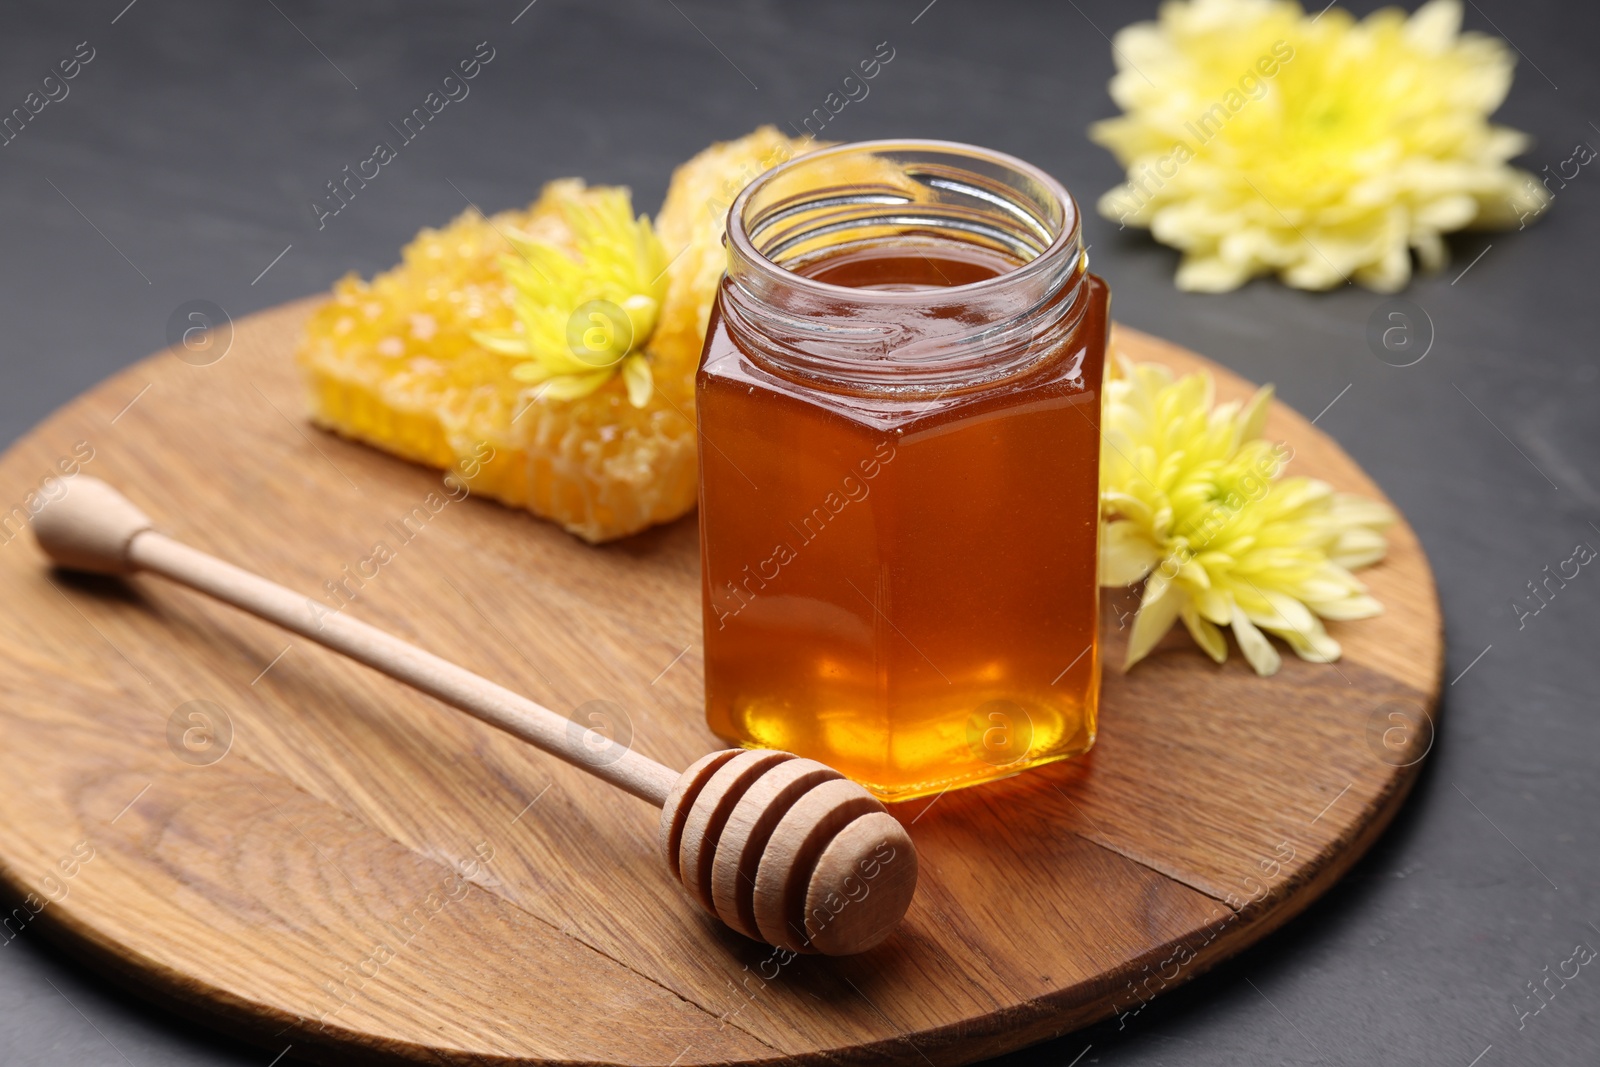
899,581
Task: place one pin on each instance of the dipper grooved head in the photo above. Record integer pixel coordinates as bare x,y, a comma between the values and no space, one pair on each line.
788,851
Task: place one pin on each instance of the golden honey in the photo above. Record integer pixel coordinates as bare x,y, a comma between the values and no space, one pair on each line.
899,416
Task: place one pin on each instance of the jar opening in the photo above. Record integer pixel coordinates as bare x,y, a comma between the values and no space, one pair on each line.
874,191
915,265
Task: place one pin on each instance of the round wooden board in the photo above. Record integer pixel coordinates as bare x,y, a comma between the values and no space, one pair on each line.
366,871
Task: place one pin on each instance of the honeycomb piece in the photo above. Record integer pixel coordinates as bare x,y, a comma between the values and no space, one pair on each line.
693,219
393,362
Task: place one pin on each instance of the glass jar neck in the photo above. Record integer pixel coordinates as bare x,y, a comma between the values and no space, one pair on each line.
918,204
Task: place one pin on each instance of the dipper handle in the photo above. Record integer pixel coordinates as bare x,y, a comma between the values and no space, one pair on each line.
95,528
780,848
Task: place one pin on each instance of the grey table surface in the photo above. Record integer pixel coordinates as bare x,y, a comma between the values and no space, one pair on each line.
183,162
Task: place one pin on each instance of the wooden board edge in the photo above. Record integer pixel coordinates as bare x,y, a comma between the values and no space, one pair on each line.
1062,1013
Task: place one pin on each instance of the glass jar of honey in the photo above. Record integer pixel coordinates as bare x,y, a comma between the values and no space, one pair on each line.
899,414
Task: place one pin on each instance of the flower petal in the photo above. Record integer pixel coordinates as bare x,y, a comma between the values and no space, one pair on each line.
1313,646
1286,613
1358,548
1158,610
1263,658
1215,605
1126,553
1359,606
1253,419
573,386
638,379
531,371
505,343
1207,636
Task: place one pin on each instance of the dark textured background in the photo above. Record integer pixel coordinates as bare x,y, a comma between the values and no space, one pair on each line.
199,133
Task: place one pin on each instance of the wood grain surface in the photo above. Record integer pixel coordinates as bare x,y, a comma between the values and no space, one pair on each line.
360,871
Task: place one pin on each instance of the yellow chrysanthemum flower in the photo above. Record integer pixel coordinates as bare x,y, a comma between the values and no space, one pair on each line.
584,316
1193,503
1258,139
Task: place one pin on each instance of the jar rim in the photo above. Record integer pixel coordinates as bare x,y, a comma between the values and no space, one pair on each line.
1066,240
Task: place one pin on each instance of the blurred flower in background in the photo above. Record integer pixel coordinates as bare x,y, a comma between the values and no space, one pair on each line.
1258,139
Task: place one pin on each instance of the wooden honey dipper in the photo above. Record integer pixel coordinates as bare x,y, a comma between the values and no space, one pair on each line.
783,849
